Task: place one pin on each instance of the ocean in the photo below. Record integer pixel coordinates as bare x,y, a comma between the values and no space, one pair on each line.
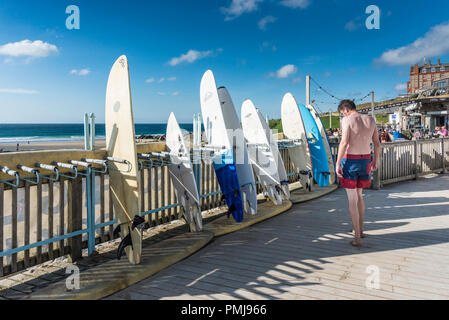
24,133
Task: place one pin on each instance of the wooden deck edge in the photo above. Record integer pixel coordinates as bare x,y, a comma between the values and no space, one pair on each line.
300,196
110,277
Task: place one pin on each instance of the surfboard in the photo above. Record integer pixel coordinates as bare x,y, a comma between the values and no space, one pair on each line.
242,161
293,128
121,144
321,170
264,163
217,137
322,129
181,173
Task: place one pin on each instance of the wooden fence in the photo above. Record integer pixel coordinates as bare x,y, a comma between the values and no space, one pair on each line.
401,161
32,214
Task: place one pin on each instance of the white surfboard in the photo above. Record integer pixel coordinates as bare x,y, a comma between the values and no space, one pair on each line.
330,159
293,128
181,172
261,154
220,121
121,144
243,163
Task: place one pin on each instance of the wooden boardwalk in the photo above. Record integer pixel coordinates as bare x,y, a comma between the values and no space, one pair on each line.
305,253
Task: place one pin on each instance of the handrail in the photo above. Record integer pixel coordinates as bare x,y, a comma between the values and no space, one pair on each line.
13,173
49,168
32,171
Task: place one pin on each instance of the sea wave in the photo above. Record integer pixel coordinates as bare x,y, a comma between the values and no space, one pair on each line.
37,139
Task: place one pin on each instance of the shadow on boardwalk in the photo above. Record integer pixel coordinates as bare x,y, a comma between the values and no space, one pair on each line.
305,253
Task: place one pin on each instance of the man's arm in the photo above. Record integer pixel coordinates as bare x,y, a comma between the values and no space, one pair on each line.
376,143
344,144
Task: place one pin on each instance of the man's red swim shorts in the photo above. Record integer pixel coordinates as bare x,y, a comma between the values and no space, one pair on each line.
356,171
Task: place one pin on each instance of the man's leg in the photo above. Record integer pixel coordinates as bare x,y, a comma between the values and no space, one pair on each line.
361,207
354,212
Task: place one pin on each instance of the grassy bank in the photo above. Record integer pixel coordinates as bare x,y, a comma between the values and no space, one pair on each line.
277,124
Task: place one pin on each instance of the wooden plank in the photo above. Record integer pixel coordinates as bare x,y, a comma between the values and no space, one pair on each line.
50,218
14,229
150,195
61,215
142,190
27,225
2,226
102,209
169,195
39,221
156,195
111,211
75,217
163,193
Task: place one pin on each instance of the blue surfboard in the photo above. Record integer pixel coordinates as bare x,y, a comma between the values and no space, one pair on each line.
317,149
225,170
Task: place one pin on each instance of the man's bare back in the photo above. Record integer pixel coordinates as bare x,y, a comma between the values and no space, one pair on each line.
360,130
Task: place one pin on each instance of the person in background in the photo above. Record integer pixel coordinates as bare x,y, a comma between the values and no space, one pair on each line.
385,137
443,132
435,133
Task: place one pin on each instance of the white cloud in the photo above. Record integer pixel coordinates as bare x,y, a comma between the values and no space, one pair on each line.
28,48
296,3
264,21
285,71
400,87
176,93
171,79
327,74
82,72
239,7
433,43
190,57
297,80
150,80
353,24
19,91
161,80
161,93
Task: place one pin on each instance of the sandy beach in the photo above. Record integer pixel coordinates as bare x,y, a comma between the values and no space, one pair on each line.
72,145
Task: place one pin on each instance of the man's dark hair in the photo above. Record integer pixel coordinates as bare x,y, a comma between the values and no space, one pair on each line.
347,104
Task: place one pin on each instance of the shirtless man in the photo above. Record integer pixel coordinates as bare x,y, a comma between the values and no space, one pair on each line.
355,161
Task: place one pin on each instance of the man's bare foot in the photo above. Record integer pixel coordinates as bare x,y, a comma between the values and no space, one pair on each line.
356,243
363,234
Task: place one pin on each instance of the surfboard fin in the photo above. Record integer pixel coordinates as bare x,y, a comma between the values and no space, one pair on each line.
116,232
125,243
231,210
278,189
138,222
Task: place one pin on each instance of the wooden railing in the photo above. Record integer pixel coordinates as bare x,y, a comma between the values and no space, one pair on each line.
52,217
401,161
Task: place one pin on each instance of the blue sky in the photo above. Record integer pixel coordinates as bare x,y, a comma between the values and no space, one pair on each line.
258,49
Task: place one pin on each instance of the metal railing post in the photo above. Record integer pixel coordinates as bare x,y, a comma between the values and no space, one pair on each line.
417,167
443,155
86,132
92,131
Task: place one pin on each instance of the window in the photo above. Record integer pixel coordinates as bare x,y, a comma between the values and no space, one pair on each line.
433,70
442,69
424,70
